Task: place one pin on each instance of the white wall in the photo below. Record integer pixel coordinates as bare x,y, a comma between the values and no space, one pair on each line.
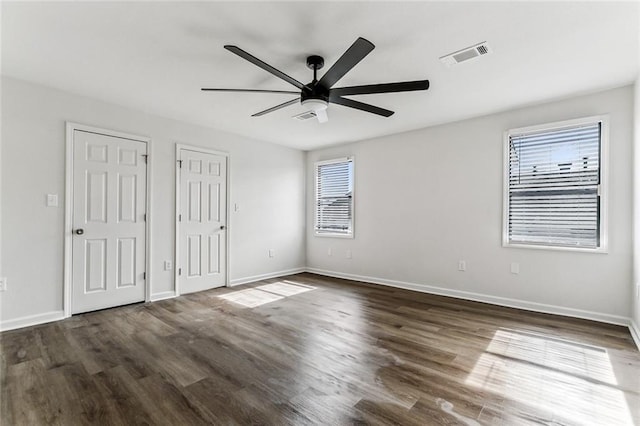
635,297
443,187
266,183
426,199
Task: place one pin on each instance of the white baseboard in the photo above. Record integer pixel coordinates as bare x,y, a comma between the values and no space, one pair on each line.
246,280
635,332
31,320
478,297
161,296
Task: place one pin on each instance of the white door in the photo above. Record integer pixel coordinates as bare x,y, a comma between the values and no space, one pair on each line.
109,212
202,221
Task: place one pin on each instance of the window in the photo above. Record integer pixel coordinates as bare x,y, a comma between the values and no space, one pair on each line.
334,197
553,185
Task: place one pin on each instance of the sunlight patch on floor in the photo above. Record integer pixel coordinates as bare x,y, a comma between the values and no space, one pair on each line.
573,382
286,288
267,293
250,297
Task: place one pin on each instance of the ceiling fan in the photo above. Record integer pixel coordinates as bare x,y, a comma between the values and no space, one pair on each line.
317,94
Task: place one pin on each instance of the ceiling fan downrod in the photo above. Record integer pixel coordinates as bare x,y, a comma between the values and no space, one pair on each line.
315,63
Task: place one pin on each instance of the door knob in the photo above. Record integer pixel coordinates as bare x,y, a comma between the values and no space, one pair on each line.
221,226
79,231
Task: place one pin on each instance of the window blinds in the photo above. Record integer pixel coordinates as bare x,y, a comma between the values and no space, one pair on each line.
334,201
554,177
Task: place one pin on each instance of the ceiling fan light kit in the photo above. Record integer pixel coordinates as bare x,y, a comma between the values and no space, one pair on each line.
315,104
317,94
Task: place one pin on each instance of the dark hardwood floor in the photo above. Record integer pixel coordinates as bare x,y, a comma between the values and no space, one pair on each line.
319,351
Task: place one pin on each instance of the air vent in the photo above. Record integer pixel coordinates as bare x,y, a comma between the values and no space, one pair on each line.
466,54
305,116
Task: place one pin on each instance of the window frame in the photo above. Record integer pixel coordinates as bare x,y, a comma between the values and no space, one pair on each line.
317,164
603,189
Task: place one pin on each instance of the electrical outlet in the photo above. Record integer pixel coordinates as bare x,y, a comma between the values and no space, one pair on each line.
3,283
515,268
462,265
168,265
52,200
272,252
348,254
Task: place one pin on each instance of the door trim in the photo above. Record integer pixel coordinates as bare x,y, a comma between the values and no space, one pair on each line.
68,208
176,251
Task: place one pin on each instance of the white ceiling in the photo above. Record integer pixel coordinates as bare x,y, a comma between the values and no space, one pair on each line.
155,57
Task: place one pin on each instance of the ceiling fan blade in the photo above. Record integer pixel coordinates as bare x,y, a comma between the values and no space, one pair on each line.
209,89
360,105
277,107
405,86
249,57
349,59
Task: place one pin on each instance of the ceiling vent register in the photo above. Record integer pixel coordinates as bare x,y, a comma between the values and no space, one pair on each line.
305,116
466,54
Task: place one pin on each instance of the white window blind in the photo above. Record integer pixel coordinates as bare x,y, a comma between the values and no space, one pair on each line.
553,188
334,197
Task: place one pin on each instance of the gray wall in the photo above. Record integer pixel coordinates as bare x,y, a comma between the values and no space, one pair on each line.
266,183
426,199
635,314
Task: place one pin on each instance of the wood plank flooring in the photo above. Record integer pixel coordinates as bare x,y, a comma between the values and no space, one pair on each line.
319,351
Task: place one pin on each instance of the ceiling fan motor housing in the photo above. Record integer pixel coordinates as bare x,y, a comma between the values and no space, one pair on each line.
315,91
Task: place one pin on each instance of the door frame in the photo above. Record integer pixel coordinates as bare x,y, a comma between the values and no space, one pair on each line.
176,260
71,127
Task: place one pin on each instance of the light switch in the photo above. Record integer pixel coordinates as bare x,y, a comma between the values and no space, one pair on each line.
52,200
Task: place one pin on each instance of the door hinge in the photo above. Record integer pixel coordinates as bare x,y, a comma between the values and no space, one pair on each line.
180,163
179,271
146,157
179,218
144,217
144,275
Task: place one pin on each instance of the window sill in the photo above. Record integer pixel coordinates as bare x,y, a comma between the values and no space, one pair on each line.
330,235
600,250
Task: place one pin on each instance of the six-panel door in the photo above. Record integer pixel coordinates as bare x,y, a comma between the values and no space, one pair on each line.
202,230
109,207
